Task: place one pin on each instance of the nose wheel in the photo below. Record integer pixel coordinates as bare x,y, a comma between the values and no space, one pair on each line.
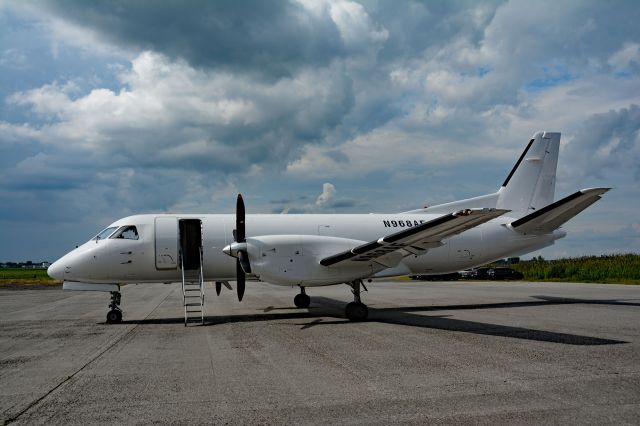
114,316
302,300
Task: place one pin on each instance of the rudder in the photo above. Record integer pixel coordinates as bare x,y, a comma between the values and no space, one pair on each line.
531,183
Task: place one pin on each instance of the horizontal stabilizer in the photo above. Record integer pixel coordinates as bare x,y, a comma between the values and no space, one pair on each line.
417,238
555,214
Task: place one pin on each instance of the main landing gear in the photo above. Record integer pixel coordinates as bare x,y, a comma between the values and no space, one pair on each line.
114,316
302,300
356,310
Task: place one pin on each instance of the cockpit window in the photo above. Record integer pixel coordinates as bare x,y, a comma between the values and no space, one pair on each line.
127,233
105,233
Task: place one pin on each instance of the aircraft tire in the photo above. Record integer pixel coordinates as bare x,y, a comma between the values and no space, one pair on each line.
302,300
356,311
114,316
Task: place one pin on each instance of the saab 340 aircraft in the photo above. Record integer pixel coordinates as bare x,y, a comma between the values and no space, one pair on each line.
309,250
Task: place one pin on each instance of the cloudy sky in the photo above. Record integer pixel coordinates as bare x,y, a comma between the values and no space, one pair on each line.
119,107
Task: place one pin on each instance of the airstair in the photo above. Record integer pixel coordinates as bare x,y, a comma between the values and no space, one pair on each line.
191,265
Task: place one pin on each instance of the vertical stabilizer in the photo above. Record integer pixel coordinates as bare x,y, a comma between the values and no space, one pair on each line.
532,181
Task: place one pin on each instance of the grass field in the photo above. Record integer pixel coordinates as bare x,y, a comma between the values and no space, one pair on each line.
26,276
607,269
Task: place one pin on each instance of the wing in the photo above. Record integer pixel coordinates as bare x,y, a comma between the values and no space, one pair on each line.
414,240
555,214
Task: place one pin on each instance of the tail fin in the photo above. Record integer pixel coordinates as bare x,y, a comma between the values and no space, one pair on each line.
529,187
532,181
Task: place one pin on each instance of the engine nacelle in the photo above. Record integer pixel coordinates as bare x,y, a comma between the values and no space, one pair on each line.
295,260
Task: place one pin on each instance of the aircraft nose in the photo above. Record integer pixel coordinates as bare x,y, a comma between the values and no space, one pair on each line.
56,270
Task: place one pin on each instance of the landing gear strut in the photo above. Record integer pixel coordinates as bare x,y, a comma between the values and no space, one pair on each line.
302,300
114,316
356,310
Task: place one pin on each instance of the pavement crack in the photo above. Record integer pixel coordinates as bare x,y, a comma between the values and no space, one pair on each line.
15,417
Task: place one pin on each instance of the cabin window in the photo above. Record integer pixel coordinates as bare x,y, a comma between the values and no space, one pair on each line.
105,233
127,233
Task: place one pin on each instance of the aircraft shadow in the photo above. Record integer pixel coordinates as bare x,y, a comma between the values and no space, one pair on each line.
406,316
214,320
323,307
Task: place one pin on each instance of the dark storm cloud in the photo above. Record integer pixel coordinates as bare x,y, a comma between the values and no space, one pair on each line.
273,37
415,26
605,143
142,106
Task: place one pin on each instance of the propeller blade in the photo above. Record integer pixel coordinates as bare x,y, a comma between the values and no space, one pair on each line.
244,261
241,280
218,287
240,231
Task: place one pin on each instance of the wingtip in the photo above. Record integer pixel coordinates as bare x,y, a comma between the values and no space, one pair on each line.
599,191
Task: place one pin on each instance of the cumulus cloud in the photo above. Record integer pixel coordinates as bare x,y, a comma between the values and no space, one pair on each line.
168,114
180,106
328,192
606,142
327,201
627,58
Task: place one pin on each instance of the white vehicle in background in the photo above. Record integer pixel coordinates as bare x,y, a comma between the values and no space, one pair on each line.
311,250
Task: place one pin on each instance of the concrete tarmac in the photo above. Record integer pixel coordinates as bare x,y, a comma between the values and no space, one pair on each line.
455,352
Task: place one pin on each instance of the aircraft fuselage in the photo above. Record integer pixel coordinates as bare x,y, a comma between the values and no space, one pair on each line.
125,261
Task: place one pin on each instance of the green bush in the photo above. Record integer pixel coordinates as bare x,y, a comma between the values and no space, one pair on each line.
619,268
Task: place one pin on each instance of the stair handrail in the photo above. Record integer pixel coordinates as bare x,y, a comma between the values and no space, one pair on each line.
201,277
184,294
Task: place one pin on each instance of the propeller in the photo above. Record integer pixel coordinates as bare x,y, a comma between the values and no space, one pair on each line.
240,278
239,249
242,261
219,285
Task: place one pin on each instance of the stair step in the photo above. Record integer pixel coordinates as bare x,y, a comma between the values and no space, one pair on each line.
193,295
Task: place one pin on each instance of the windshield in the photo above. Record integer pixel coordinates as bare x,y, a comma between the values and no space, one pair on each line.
105,233
127,233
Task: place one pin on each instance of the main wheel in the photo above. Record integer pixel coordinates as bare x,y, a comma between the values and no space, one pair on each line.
302,300
114,316
357,311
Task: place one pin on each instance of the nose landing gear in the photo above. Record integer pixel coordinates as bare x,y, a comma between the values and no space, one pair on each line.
302,300
114,316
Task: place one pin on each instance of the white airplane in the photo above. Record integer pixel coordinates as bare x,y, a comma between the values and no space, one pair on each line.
311,250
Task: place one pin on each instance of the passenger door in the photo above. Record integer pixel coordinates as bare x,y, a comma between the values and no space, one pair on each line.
166,242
